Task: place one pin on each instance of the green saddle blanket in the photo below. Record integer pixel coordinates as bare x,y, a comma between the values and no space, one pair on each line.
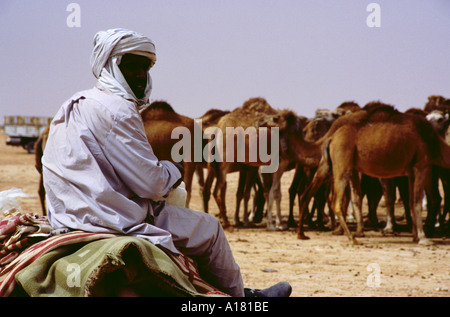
115,266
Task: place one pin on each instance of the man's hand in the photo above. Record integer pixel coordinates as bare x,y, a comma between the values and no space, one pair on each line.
181,169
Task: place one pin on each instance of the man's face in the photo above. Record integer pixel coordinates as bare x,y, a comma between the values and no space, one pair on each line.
134,69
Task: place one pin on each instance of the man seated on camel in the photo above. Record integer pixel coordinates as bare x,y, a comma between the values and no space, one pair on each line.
101,175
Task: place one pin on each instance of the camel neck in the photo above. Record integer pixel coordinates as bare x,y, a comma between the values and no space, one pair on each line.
304,152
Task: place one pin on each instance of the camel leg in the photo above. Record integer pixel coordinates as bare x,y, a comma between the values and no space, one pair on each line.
269,196
189,169
343,173
319,177
320,200
276,185
293,192
41,192
346,200
220,193
240,195
274,194
417,182
445,179
247,191
277,197
258,202
388,186
402,185
357,203
340,185
372,189
200,176
206,193
433,201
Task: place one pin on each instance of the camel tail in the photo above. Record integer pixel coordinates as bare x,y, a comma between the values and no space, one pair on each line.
326,154
322,173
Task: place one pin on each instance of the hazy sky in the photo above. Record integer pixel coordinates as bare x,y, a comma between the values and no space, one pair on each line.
298,54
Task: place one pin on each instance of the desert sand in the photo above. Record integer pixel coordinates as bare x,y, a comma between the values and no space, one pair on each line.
324,266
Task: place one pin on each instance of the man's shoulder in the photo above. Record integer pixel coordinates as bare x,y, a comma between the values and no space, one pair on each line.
104,100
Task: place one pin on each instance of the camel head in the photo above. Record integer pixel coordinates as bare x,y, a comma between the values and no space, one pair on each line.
436,102
439,120
347,107
288,124
286,121
325,114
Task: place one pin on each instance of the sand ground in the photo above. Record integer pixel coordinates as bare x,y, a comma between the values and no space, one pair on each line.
325,266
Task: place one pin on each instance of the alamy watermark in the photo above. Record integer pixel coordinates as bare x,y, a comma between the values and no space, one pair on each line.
374,278
74,275
208,145
374,18
74,18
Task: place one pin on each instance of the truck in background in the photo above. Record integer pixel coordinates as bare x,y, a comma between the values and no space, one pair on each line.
24,130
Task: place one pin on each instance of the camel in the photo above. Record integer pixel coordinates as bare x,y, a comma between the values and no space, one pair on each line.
439,121
380,142
246,117
316,128
248,179
375,188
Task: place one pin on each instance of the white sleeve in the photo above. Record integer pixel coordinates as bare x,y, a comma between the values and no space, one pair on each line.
132,157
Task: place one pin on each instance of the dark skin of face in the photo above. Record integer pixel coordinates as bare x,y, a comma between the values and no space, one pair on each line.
134,69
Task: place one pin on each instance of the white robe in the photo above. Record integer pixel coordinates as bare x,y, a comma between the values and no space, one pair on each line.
101,175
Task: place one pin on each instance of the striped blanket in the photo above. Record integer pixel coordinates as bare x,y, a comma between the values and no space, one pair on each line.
80,263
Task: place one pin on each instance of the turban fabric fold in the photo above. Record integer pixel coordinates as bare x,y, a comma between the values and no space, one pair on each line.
109,47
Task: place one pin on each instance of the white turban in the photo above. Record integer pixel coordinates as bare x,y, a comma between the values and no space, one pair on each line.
109,47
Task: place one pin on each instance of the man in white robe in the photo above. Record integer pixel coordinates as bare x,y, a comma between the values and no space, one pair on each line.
100,172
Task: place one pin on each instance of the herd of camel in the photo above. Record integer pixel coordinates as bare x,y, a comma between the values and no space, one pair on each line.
340,156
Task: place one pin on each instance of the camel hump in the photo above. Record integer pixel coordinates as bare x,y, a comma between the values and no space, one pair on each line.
416,112
212,115
158,109
376,106
378,111
258,105
160,105
347,107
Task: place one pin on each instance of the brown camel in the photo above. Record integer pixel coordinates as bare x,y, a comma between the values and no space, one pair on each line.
316,128
248,179
380,142
246,117
439,121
